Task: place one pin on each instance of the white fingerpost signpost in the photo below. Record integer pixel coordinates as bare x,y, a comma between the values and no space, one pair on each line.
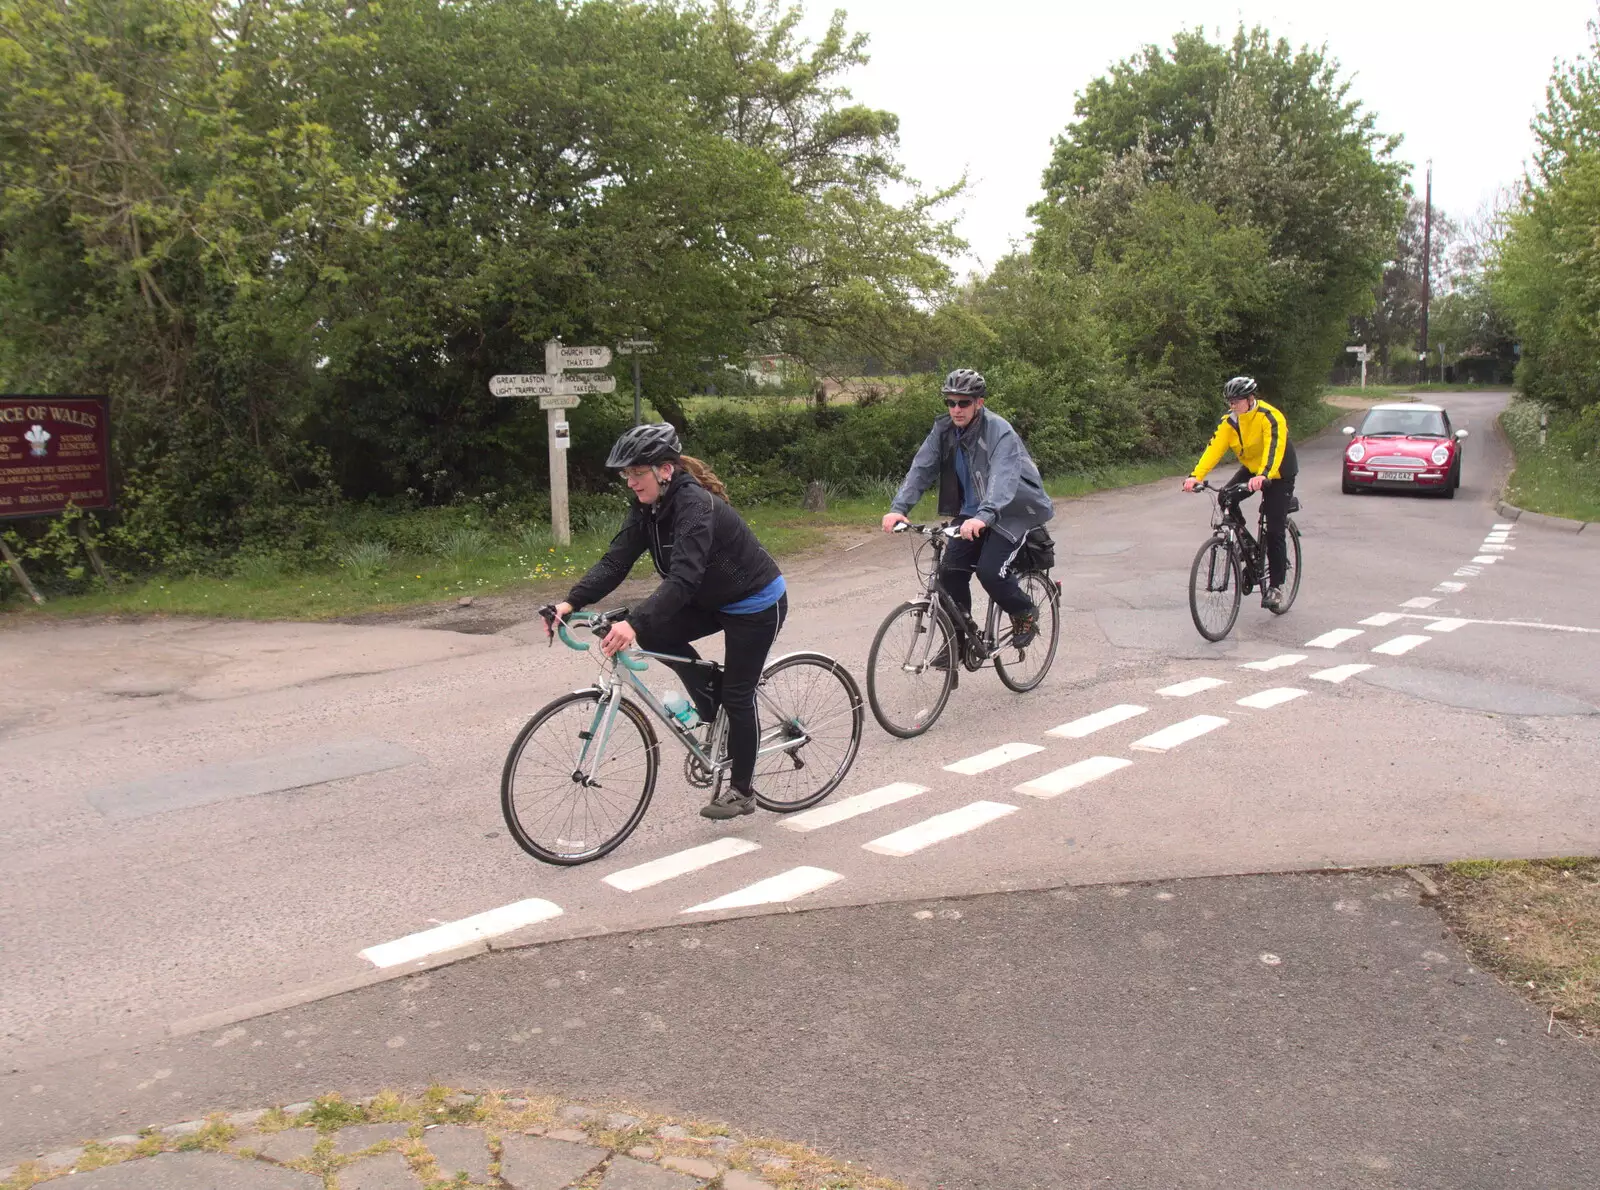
1361,354
557,393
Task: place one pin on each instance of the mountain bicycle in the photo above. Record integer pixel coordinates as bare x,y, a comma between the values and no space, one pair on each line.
917,655
580,774
1231,564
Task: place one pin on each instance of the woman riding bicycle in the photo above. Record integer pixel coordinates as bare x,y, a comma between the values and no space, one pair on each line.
715,577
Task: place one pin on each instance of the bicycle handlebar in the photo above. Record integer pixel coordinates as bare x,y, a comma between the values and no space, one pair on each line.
927,530
600,624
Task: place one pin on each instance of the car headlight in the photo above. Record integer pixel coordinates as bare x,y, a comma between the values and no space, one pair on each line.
1356,453
1441,455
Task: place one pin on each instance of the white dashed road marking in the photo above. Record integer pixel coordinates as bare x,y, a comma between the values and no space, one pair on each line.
1179,733
1420,602
1383,619
1275,662
1332,640
1266,699
992,759
1469,572
1192,686
1447,625
1400,644
850,807
1449,588
1090,724
1340,672
939,828
774,890
454,934
1503,528
679,863
1056,783
1487,559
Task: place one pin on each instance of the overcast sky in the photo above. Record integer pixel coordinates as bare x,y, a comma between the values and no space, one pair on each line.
983,85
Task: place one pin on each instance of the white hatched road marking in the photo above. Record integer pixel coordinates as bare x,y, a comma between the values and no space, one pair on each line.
1487,559
850,807
1179,733
1420,602
1382,619
1089,724
679,863
1278,662
1400,644
1340,672
774,890
939,828
1192,686
1447,625
992,759
1469,572
1451,588
1332,640
1267,699
459,933
1492,548
1503,528
1056,783
1497,538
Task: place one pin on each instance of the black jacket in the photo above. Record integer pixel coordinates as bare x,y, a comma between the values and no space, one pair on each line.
706,555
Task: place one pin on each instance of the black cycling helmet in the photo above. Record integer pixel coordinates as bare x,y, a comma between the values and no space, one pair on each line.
653,442
1239,386
964,382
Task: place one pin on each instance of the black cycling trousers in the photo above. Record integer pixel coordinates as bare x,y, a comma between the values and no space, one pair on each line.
1275,503
746,641
991,555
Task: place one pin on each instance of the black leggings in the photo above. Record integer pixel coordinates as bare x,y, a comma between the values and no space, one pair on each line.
1275,497
746,640
991,555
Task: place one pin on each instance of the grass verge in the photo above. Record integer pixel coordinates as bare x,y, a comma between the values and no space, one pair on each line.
1384,391
1536,923
1553,478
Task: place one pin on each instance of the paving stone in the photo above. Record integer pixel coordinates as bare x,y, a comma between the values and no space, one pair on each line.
61,1158
574,1114
187,1128
194,1171
642,1152
545,1163
458,1149
294,1109
576,1136
697,1166
622,1121
627,1174
247,1119
386,1171
288,1145
673,1132
737,1179
125,1139
461,1101
364,1136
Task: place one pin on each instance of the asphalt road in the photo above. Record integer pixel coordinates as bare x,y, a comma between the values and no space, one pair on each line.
130,908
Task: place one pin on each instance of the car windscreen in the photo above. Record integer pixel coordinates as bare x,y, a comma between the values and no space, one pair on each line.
1413,423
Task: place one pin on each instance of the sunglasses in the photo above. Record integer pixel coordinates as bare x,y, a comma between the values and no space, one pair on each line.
964,403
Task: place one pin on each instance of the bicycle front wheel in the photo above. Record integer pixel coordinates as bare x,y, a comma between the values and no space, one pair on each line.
911,669
809,708
553,809
1023,669
1214,589
1291,578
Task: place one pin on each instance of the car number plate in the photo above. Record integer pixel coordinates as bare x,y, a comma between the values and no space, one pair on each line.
1406,476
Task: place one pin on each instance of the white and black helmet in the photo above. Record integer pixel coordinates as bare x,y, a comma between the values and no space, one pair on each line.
1239,386
653,442
964,382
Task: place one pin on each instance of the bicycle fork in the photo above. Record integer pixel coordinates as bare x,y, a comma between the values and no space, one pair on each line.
596,739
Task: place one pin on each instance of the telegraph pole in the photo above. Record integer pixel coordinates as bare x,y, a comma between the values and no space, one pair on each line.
1427,261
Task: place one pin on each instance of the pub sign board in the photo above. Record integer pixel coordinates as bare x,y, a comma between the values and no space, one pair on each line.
54,452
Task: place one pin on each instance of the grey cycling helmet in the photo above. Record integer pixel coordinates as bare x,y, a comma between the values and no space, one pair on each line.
653,442
1239,386
964,382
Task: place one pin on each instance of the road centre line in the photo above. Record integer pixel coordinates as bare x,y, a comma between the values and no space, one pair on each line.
1090,724
1420,602
454,934
1340,672
1054,784
1383,619
1332,640
992,759
774,890
1400,644
1179,733
1277,662
850,807
939,828
1192,686
679,863
1514,624
1264,700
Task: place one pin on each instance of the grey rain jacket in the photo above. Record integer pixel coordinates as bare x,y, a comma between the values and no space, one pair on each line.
1011,495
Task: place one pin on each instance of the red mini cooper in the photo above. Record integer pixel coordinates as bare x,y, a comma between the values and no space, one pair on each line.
1403,447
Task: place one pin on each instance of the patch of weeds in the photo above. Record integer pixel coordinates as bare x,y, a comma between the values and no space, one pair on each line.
389,1108
331,1111
258,568
462,545
1478,869
366,560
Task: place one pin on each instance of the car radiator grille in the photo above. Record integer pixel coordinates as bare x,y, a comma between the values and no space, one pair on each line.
1396,461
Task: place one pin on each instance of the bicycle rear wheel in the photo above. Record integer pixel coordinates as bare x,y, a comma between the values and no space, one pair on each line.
911,668
1214,588
551,810
1291,578
1023,669
811,699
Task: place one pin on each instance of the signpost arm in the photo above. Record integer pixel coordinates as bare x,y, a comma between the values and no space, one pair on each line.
22,575
559,525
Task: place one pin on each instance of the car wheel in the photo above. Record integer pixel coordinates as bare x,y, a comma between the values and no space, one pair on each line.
1345,486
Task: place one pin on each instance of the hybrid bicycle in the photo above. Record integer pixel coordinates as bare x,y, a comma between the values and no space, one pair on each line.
917,655
580,774
1232,564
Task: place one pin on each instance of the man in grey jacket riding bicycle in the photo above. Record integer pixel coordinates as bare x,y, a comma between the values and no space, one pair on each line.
989,483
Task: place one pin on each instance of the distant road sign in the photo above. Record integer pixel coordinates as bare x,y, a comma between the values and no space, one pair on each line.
586,384
532,384
559,401
636,347
558,357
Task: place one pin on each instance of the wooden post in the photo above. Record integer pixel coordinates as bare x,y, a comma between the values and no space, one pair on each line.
560,527
22,575
94,554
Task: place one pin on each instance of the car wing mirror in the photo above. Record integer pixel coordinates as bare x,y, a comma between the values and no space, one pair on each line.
1461,433
1348,430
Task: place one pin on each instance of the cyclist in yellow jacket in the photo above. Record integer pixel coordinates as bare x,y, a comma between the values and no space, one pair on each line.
1258,435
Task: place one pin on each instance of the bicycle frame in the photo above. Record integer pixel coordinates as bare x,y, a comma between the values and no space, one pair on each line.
934,592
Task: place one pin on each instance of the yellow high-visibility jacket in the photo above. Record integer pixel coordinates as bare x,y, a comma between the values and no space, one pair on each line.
1258,440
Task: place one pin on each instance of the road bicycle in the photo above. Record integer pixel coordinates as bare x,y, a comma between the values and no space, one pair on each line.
1231,564
580,774
917,655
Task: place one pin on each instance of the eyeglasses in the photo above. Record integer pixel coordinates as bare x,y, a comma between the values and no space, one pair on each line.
636,472
964,403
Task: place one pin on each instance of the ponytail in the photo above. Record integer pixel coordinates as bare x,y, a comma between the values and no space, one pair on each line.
704,476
